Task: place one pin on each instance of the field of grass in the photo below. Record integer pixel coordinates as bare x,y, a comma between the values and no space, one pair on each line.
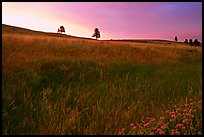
59,85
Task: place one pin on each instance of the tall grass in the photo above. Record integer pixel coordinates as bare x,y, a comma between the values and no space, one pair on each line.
56,85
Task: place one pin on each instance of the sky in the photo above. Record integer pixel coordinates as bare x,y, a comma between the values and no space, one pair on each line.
115,20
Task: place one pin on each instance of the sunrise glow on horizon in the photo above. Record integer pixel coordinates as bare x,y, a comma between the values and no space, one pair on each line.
115,20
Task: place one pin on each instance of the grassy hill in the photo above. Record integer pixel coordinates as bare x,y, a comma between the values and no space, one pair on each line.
59,84
18,30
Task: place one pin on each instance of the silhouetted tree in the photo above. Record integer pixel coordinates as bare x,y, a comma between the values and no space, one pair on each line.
196,42
61,29
186,41
190,42
96,33
176,39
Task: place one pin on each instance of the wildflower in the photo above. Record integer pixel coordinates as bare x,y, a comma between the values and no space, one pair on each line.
134,127
162,118
154,128
163,127
151,133
179,125
199,133
185,121
192,116
186,105
191,127
170,120
191,104
158,129
146,125
172,133
152,119
173,116
183,128
172,113
188,115
131,124
161,132
177,132
167,111
179,114
123,129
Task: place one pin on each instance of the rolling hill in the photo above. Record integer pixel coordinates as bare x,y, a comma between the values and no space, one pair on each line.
19,30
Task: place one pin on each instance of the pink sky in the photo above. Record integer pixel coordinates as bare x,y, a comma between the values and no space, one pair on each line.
115,20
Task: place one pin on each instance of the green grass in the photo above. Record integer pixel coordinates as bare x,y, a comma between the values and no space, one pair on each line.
71,86
113,95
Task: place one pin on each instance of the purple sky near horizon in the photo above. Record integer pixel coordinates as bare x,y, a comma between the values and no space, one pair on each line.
115,20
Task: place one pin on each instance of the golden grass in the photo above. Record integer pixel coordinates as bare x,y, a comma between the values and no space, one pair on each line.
31,48
91,110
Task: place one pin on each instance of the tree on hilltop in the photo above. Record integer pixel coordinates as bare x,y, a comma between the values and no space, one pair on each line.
196,42
176,39
190,42
61,29
96,33
186,41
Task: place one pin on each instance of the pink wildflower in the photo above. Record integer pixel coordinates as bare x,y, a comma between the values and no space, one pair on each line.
163,127
177,132
131,124
179,114
167,111
134,127
199,133
192,116
172,113
172,133
154,128
191,127
146,125
183,128
186,105
158,129
191,104
161,132
152,119
179,125
123,129
162,118
173,116
151,133
188,115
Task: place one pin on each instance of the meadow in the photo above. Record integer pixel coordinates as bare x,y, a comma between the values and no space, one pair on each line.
59,85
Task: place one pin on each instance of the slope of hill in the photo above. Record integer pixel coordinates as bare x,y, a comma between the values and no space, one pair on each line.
18,30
